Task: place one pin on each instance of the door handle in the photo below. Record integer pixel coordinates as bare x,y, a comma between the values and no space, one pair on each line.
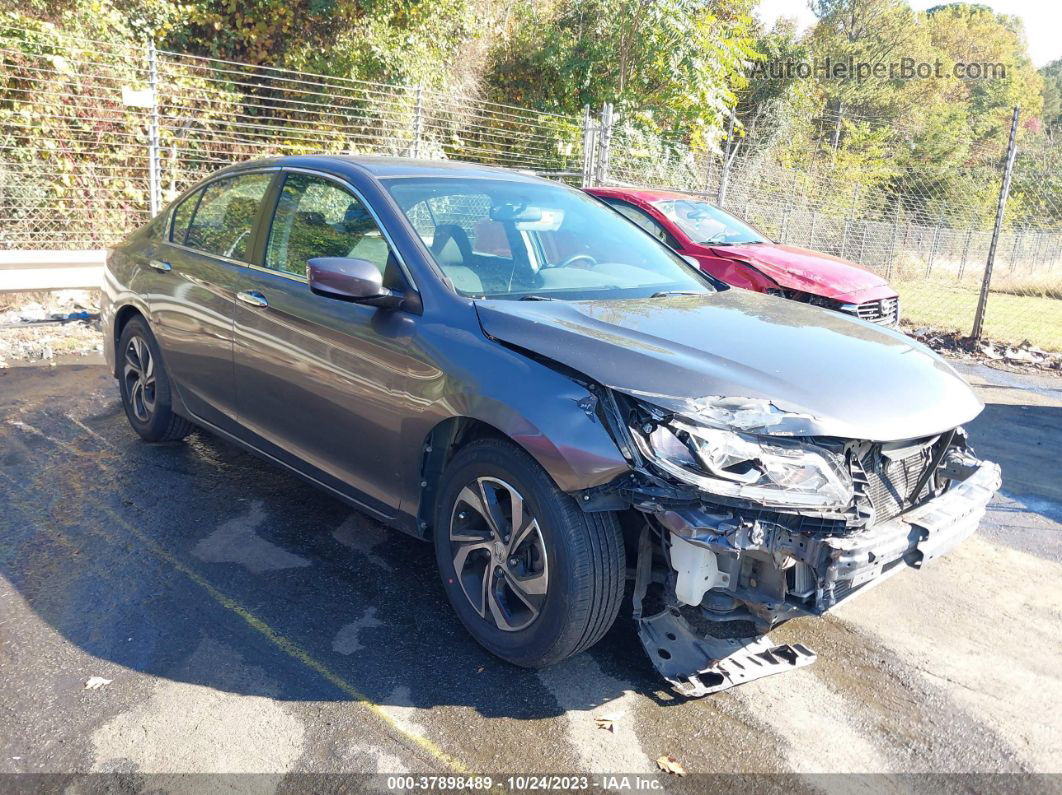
159,265
252,298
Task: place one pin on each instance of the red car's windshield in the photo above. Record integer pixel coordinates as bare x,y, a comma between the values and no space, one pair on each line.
703,223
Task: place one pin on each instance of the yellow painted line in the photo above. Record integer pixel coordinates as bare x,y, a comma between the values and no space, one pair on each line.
283,643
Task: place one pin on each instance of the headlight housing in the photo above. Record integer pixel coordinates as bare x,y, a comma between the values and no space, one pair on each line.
773,471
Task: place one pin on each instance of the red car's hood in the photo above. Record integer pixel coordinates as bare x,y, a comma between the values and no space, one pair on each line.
810,271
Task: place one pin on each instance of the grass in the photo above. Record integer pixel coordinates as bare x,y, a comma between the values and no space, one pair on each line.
1008,318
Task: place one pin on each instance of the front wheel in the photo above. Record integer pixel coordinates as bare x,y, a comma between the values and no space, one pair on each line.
532,577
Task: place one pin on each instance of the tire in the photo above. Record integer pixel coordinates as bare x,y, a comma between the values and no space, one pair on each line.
576,558
145,386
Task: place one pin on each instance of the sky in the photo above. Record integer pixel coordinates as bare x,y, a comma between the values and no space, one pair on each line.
1043,20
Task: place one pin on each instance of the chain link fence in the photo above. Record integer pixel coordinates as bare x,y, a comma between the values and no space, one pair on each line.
926,230
95,137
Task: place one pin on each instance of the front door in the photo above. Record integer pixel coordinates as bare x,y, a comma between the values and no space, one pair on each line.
319,380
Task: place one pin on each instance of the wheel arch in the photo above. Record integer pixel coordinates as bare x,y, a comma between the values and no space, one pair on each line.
564,464
122,316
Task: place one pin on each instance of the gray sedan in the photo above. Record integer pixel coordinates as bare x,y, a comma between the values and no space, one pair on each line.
560,403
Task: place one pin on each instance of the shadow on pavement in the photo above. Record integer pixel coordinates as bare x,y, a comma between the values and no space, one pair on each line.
140,553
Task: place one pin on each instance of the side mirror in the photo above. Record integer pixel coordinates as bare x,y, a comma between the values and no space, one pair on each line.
350,279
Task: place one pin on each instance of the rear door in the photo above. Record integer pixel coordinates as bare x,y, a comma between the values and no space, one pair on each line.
319,380
193,286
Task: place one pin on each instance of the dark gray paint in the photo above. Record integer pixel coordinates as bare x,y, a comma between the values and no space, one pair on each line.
855,379
348,394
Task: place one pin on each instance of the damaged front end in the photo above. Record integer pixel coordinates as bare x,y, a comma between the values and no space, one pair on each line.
752,518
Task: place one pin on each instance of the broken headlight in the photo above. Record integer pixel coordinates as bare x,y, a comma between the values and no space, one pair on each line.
775,472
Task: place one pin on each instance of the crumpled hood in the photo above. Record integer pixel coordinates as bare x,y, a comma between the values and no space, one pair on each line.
855,380
810,271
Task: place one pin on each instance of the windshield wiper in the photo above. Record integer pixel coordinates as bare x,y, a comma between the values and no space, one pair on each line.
533,297
666,293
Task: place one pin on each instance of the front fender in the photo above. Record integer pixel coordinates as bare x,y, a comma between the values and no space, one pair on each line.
556,420
539,406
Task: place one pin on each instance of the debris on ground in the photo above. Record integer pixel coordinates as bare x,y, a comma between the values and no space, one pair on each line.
44,326
96,682
1022,357
669,764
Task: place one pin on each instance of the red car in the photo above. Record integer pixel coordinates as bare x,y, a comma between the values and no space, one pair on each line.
737,254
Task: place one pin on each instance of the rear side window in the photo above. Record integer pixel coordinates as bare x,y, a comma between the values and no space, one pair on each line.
182,216
223,223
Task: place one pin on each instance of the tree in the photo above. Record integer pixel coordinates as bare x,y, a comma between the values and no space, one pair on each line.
674,63
1052,94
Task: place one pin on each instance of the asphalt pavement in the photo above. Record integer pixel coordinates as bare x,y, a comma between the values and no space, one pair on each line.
248,623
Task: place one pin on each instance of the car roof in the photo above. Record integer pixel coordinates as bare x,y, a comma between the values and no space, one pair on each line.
641,194
391,167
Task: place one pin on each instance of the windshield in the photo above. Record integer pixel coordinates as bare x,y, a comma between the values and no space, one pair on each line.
495,238
703,223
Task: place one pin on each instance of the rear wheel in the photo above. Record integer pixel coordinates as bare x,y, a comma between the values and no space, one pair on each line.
532,577
145,386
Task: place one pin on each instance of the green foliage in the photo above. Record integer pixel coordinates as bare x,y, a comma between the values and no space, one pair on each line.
405,42
671,64
1052,95
65,140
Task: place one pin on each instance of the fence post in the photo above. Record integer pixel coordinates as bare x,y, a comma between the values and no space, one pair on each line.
724,177
604,142
154,172
418,121
933,248
965,251
893,242
588,147
1001,206
1018,236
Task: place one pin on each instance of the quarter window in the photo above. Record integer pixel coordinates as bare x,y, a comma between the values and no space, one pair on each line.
224,220
317,218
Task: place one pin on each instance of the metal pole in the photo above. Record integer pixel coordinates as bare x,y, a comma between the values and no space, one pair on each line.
724,177
154,181
893,242
588,147
604,143
1001,207
418,121
965,252
933,248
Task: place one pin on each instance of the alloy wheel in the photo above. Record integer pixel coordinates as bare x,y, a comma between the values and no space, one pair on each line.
498,553
139,374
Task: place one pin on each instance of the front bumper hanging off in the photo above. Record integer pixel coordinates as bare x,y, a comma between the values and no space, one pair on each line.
834,569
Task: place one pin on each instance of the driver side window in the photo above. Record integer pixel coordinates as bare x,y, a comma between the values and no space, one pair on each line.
644,221
315,217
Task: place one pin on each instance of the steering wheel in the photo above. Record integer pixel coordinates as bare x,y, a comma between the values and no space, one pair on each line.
570,262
